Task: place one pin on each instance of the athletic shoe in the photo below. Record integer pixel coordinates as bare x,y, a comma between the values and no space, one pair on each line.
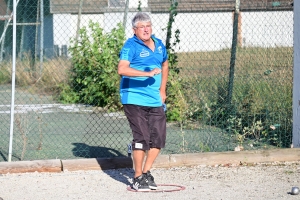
140,183
150,179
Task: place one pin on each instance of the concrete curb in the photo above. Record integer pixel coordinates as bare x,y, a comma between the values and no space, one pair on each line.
163,161
31,166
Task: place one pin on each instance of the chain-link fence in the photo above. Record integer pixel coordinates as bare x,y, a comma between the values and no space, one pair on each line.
230,84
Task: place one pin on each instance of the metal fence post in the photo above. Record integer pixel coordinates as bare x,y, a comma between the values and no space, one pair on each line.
233,50
296,82
13,79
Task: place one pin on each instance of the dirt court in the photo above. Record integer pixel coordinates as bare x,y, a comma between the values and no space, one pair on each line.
260,181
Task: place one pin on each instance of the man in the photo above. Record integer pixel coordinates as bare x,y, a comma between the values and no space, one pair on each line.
144,68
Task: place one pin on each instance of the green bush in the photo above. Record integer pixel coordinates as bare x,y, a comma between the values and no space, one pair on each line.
95,55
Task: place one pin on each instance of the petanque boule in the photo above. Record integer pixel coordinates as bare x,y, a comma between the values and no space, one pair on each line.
295,191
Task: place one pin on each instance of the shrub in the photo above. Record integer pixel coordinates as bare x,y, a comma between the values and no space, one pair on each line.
95,56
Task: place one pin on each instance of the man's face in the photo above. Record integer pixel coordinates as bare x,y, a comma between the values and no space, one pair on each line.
143,30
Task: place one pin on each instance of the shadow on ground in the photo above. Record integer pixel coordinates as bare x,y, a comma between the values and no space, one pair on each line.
2,155
110,160
85,151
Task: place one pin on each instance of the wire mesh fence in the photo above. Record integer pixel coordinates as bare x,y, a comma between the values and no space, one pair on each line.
230,84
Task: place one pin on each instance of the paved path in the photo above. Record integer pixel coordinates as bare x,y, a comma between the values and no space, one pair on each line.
262,181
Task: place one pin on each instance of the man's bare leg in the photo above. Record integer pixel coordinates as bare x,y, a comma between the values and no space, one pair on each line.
138,160
151,156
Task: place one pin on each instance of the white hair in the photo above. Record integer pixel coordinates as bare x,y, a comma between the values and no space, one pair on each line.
140,17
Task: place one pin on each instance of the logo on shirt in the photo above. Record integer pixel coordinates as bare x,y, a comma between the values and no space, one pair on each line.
159,49
144,53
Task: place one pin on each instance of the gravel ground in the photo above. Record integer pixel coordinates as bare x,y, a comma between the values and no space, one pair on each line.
260,181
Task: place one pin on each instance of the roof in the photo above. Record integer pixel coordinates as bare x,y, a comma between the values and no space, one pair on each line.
220,5
71,6
101,6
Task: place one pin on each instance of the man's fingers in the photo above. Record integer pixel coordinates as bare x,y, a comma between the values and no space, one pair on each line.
157,71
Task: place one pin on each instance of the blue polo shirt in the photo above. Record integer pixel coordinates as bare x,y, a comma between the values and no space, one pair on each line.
143,91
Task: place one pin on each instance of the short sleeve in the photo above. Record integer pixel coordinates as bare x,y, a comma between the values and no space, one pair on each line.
127,52
165,54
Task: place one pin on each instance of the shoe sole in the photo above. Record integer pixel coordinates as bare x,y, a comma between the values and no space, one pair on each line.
142,190
152,187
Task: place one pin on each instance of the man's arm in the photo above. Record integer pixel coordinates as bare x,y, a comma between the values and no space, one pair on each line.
125,70
163,86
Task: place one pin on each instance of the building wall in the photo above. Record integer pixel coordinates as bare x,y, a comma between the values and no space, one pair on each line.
267,29
198,31
65,27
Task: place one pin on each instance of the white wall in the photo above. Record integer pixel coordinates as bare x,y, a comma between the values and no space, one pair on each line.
204,32
135,4
198,31
65,26
267,29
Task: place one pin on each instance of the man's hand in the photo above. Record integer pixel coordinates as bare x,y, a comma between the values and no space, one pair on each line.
154,72
163,96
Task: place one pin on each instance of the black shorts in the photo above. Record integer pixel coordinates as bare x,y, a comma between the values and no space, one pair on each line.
148,125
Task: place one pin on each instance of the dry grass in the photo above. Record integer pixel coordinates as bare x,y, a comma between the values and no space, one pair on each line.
249,62
263,77
40,78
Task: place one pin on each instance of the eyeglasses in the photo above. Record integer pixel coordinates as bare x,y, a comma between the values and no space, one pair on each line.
143,27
